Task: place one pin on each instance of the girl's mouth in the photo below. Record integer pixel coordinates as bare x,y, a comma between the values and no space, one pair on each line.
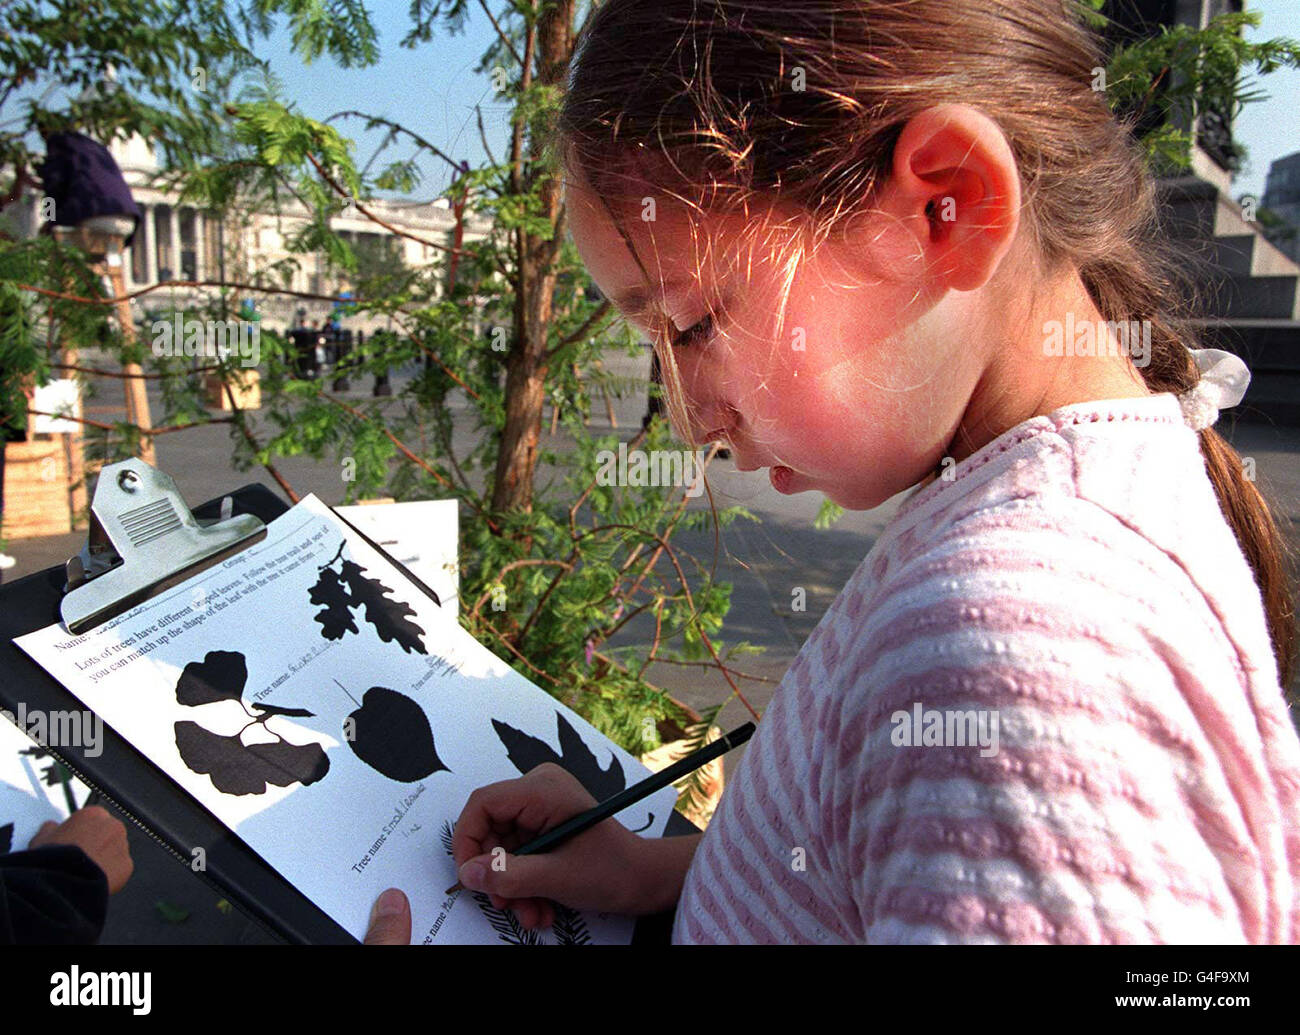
782,479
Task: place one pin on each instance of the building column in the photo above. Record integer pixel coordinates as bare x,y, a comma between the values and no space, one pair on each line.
199,245
144,241
176,242
158,243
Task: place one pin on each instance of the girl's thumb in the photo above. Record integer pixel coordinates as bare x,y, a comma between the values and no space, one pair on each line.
513,876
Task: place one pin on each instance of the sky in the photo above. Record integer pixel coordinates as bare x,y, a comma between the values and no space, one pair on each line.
1271,128
433,90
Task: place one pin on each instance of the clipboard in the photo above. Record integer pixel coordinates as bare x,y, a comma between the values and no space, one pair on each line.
142,540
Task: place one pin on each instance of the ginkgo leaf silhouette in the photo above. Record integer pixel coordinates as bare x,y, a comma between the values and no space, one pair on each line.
239,768
336,618
390,617
527,752
391,734
6,838
220,676
275,709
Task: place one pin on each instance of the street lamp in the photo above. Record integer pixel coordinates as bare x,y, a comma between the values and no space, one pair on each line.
93,203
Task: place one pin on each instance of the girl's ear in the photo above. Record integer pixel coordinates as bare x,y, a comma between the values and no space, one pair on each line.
956,187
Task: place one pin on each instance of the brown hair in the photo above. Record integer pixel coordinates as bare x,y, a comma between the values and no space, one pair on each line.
702,98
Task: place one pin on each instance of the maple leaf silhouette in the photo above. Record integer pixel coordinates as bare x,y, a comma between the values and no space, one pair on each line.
527,752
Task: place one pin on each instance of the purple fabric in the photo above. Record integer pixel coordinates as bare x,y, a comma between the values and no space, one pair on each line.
83,179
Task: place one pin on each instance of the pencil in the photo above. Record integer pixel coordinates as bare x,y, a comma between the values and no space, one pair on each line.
583,821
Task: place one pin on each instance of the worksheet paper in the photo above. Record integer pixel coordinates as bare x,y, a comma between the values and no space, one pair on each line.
315,701
421,535
31,789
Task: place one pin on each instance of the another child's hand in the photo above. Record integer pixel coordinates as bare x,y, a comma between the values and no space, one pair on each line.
599,869
100,835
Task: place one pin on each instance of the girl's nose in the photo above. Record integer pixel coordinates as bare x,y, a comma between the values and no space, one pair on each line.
709,417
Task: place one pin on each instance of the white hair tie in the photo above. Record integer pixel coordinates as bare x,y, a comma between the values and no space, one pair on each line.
1223,384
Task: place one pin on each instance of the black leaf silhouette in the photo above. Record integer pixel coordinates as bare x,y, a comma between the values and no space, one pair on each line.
570,928
390,733
220,676
238,768
391,618
53,773
336,619
275,709
6,838
342,592
503,921
527,752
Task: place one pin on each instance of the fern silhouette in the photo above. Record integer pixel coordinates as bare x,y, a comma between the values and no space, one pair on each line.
503,921
570,927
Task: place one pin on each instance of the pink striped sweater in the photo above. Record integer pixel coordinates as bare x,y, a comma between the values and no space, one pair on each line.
1043,709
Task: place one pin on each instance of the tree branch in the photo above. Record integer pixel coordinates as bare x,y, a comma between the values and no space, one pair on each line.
500,32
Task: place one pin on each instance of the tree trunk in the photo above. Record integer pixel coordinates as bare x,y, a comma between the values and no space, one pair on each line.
526,363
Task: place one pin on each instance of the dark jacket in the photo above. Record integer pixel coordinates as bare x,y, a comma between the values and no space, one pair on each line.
52,895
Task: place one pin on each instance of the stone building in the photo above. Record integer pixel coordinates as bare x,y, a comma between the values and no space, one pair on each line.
179,242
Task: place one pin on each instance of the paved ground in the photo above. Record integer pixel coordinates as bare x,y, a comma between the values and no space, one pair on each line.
764,562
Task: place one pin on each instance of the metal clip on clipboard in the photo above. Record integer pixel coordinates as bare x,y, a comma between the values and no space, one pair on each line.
144,539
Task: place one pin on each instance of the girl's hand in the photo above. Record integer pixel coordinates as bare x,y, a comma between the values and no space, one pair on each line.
606,869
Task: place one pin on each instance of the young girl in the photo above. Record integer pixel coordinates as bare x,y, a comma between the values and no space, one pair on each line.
880,244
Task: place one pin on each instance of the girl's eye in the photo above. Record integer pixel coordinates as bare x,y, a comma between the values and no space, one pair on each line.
699,334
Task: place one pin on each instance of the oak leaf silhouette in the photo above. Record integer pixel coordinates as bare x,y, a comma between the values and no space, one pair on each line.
391,618
336,618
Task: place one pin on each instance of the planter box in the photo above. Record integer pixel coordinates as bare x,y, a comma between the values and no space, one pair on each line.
246,388
711,774
36,489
